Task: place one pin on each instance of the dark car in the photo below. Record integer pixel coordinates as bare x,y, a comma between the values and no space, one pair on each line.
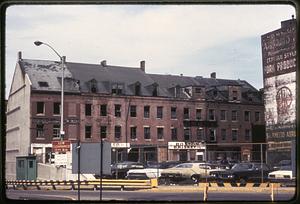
242,172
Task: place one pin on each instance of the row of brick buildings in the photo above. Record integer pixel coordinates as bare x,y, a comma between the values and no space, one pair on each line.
142,114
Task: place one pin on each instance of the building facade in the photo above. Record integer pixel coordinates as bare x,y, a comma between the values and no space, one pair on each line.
146,117
279,57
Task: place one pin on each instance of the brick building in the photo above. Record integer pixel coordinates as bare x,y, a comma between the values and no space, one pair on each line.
127,106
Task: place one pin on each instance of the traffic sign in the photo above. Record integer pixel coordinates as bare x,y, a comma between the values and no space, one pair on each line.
61,146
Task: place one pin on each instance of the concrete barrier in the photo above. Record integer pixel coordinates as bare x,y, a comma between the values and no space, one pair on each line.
121,184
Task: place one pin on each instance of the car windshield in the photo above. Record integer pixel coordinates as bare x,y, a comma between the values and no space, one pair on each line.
184,166
242,166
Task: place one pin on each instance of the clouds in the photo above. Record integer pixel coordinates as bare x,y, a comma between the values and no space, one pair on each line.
168,37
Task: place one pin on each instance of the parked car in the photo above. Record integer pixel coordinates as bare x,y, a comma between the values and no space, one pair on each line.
193,171
152,170
242,172
119,170
283,175
282,164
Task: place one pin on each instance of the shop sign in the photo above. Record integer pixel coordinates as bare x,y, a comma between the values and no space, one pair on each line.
186,145
120,145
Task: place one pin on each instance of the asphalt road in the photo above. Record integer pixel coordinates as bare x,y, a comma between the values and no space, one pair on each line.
146,195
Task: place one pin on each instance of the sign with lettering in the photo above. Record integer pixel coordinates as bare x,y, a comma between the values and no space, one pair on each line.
61,146
120,145
279,72
186,145
60,159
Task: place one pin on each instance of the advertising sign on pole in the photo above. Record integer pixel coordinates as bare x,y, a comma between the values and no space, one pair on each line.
60,159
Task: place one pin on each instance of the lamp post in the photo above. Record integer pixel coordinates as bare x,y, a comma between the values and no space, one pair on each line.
62,60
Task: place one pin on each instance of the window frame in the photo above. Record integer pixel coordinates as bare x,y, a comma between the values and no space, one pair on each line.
40,108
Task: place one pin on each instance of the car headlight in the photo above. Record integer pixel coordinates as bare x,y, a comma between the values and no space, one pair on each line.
213,175
230,176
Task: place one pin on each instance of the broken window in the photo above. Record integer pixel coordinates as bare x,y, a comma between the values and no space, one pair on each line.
88,131
40,130
117,110
55,132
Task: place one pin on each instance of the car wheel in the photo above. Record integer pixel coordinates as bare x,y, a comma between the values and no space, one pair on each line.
195,178
243,181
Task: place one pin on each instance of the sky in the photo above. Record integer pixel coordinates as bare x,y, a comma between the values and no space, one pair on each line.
193,40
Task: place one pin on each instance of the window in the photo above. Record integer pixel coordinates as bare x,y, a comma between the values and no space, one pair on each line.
55,131
212,134
30,164
223,115
234,95
160,133
40,108
117,132
21,163
88,131
198,90
133,133
154,92
247,134
211,114
137,89
223,134
234,115
103,132
198,114
88,109
147,133
146,111
56,108
160,112
40,130
247,116
234,134
173,134
257,116
132,111
117,89
173,113
187,133
186,113
93,87
43,84
118,110
103,110
200,134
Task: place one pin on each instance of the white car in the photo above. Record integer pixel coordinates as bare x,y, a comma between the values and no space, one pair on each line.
281,175
147,173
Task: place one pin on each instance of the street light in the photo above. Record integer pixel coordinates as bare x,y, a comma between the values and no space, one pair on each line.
62,59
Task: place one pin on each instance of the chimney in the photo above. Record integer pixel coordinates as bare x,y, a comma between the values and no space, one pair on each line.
213,75
19,55
103,63
142,65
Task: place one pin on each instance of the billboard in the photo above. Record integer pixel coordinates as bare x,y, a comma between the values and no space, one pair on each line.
279,72
90,155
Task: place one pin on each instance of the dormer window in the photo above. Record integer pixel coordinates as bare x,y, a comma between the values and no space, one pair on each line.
43,84
155,89
234,95
117,89
198,90
93,86
137,88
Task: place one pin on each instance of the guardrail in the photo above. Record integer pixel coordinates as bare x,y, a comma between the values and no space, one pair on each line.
85,184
